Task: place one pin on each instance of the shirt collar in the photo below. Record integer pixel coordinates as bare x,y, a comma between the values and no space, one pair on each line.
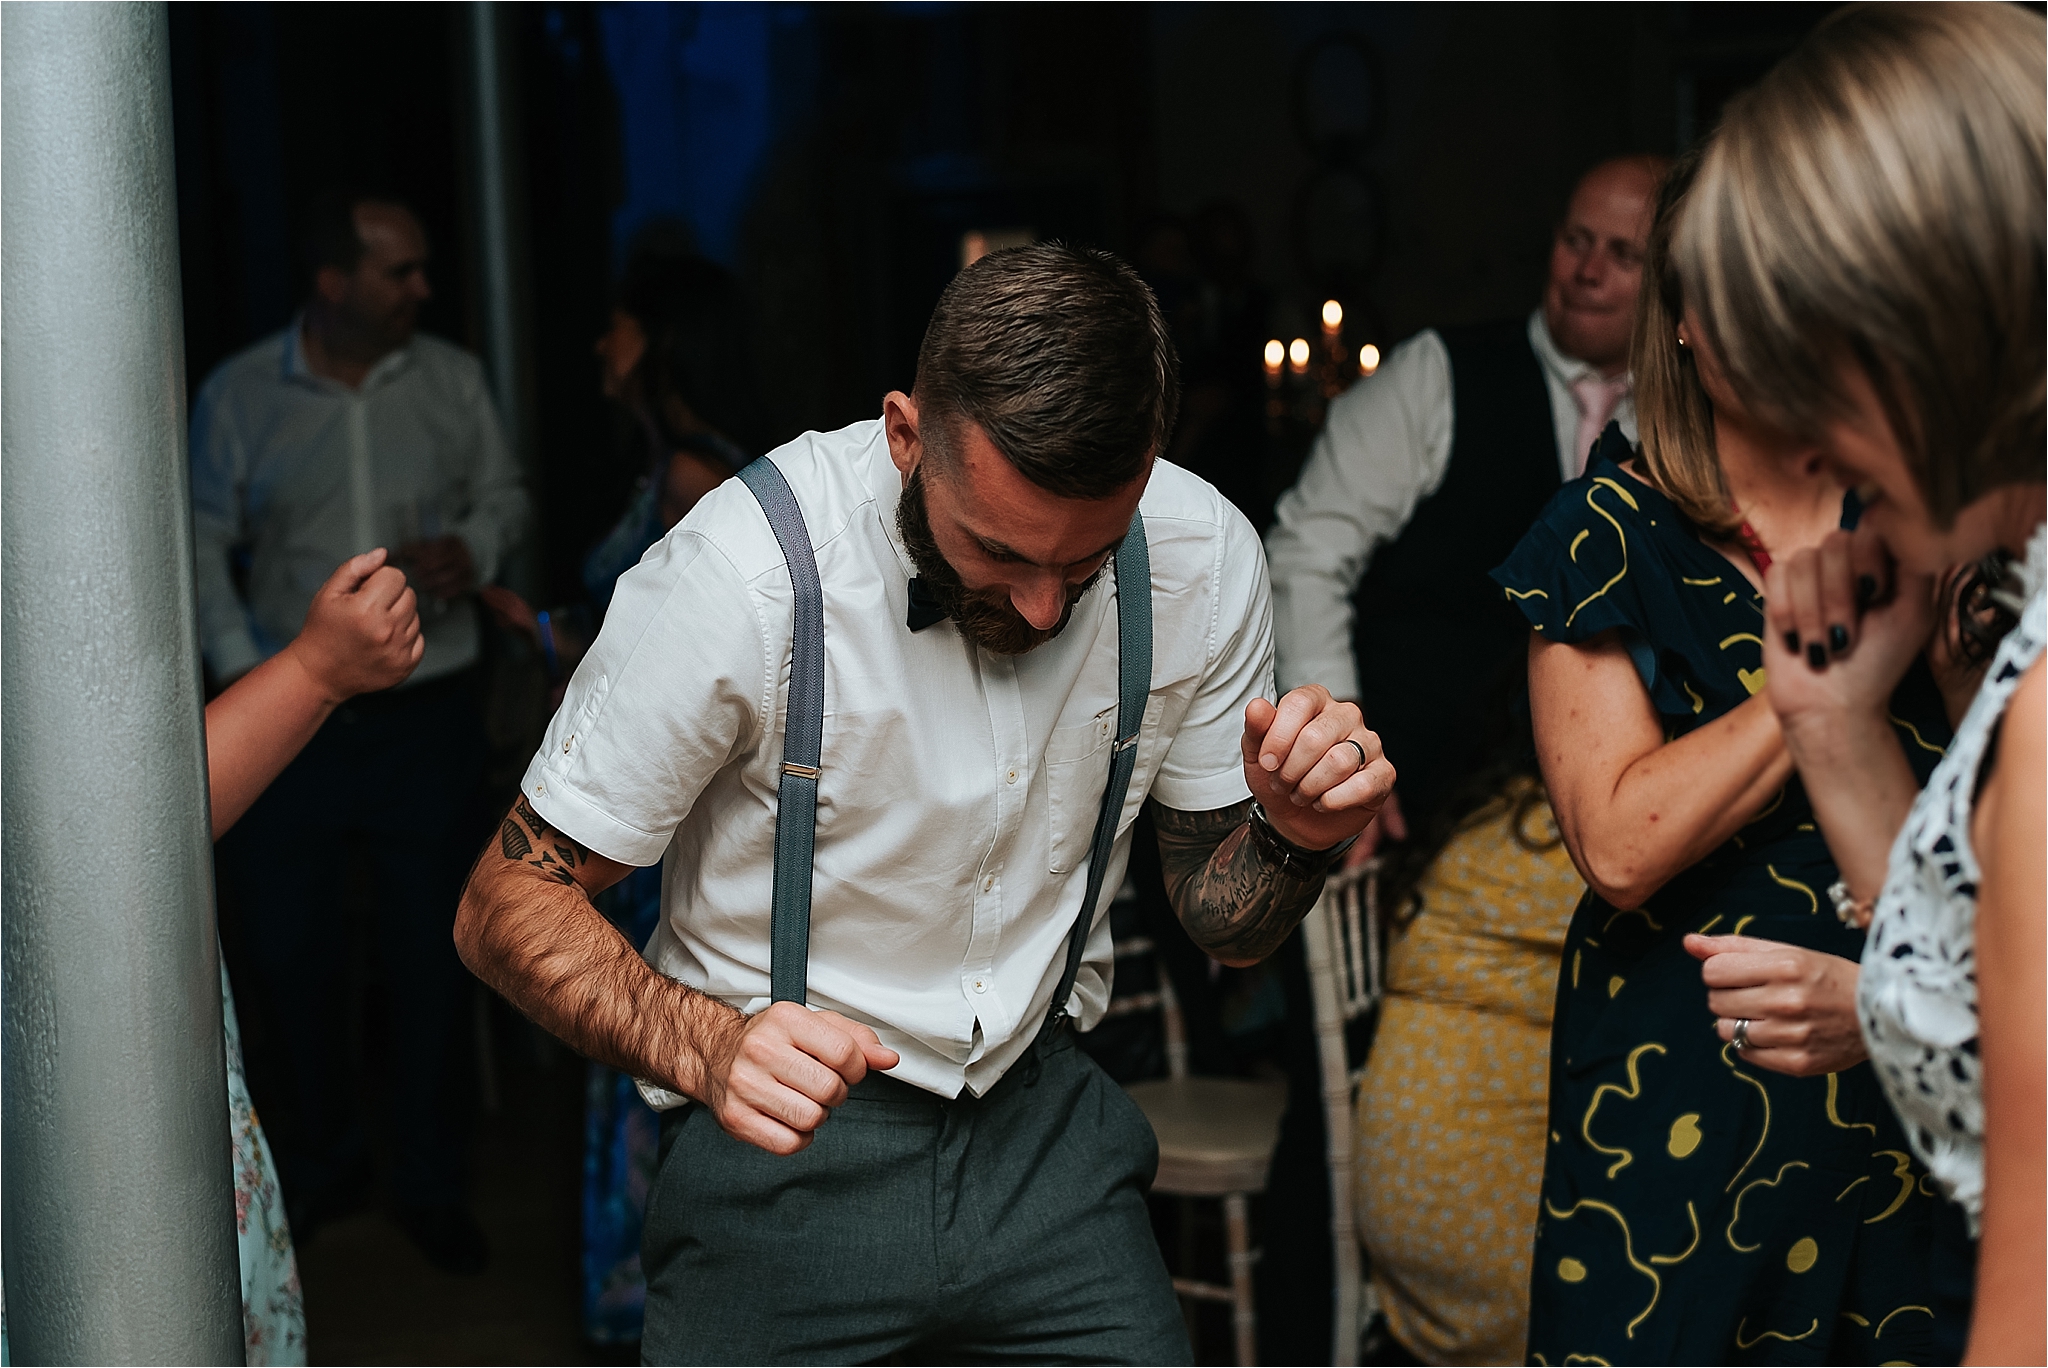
887,483
1566,369
295,367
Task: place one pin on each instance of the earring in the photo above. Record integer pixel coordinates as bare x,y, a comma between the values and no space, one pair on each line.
1681,339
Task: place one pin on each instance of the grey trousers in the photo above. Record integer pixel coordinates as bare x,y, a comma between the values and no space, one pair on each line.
917,1229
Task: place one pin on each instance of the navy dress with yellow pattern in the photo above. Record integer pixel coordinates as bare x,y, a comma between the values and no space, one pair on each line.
1696,1209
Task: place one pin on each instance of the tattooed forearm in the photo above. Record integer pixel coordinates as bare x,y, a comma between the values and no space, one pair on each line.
1237,900
525,836
526,927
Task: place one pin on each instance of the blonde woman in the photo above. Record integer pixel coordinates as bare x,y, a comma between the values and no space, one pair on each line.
1695,1207
1865,247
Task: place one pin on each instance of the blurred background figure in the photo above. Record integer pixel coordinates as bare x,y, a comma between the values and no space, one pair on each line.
1426,475
345,431
668,360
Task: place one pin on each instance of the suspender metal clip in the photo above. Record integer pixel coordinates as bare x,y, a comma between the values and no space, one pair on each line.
801,771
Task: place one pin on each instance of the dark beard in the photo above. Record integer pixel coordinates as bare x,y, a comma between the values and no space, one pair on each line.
985,617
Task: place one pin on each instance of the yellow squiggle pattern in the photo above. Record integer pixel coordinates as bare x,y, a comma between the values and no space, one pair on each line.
1726,1052
1922,742
1736,1214
1741,1343
1628,1094
1726,642
1813,908
1903,1172
1668,1259
1628,1250
1573,552
1899,1312
1834,1117
1622,573
1655,925
1526,593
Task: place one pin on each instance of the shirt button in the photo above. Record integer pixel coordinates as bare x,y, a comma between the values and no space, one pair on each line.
1010,778
981,985
988,885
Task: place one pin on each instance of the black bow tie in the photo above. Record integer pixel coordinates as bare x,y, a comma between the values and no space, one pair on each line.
924,609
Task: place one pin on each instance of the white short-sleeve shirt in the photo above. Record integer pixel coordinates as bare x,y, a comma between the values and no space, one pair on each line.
959,788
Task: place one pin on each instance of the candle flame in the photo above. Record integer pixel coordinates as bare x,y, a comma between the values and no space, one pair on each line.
1297,352
1276,352
1333,315
1368,359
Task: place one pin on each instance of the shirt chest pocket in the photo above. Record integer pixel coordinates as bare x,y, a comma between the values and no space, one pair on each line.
1077,771
1076,768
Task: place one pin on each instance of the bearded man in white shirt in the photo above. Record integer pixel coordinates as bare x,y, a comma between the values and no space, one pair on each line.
347,431
922,1165
1428,473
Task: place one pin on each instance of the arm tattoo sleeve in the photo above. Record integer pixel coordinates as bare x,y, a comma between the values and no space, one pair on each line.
526,837
1237,901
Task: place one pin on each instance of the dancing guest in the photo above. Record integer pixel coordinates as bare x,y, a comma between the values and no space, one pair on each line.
347,430
924,1165
1904,331
1697,1207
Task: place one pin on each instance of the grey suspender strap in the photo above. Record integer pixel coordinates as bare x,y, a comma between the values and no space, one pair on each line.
1134,684
789,936
803,734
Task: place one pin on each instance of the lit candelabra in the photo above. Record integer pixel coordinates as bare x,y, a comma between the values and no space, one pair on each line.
1301,380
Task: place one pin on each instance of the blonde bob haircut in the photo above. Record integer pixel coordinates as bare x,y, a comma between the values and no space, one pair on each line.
1877,202
1674,418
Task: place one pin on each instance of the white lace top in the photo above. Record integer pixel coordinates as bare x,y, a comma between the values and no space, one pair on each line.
1917,995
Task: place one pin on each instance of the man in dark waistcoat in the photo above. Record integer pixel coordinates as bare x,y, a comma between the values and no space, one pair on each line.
1425,476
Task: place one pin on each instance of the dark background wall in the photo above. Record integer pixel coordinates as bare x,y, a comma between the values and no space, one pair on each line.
1407,158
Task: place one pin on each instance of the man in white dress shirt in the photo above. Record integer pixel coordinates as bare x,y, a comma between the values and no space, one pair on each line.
1428,473
922,1165
347,431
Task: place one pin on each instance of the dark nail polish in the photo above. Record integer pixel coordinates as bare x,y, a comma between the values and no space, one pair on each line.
1816,655
1838,639
1866,590
1792,642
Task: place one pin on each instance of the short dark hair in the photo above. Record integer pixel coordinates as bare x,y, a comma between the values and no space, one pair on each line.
1059,355
327,234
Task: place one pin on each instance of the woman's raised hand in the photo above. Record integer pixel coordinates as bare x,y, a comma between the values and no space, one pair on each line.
1844,622
362,630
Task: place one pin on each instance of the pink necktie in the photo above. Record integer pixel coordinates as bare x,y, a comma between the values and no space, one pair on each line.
1597,398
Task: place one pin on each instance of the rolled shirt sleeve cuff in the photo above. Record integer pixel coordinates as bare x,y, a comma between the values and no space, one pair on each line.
572,813
1204,794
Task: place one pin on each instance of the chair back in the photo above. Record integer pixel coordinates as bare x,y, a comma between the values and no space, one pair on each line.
1161,999
1342,940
